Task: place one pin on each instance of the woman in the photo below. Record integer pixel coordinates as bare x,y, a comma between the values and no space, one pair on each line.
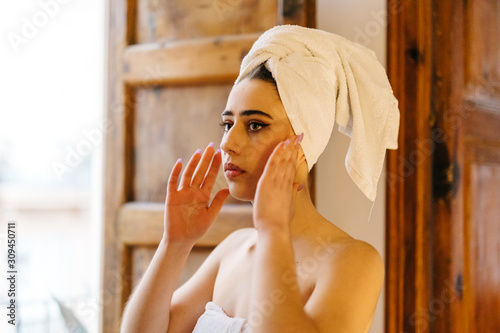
294,271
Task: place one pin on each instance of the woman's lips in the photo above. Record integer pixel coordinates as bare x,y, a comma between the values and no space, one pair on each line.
232,170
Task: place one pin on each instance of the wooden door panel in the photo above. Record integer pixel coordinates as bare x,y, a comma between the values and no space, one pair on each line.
172,122
181,19
483,39
483,288
180,62
443,247
481,135
171,67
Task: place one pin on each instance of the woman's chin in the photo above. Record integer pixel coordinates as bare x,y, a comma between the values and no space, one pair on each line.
241,193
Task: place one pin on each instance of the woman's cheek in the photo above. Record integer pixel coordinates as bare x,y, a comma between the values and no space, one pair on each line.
272,134
266,153
266,136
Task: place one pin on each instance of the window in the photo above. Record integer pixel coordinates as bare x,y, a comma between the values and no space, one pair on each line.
52,57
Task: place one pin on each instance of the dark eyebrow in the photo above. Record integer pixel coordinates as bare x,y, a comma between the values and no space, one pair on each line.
247,113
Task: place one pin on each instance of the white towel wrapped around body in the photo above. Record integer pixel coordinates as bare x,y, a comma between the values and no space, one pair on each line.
215,320
323,78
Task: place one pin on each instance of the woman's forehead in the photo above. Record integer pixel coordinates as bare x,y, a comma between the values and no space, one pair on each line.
254,94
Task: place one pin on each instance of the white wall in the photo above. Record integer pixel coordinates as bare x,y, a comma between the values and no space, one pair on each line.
338,199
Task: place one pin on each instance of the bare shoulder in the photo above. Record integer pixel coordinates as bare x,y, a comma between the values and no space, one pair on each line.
240,235
345,253
348,284
349,259
360,255
235,240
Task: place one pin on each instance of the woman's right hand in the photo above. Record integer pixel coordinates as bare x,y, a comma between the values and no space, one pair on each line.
188,215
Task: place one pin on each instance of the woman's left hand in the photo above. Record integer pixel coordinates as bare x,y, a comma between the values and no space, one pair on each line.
274,202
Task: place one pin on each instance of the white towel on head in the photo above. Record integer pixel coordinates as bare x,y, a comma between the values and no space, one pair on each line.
323,78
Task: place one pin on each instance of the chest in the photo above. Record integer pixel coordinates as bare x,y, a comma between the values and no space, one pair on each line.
233,286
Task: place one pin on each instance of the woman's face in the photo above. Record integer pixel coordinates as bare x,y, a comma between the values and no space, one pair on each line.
254,122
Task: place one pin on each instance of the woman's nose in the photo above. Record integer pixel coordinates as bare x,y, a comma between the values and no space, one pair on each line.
231,141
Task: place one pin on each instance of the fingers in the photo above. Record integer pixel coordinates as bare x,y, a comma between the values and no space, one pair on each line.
174,176
202,167
218,201
274,163
296,188
191,166
291,160
196,170
211,175
282,164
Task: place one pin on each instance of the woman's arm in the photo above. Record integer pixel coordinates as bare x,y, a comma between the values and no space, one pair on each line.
188,216
148,308
344,297
276,304
349,282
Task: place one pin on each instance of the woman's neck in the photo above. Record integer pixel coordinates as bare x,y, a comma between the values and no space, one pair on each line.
306,215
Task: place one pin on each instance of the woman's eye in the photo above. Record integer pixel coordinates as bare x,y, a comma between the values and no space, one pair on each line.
226,126
252,126
255,126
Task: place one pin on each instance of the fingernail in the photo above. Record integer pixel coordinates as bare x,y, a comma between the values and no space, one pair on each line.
218,151
198,151
299,138
287,142
179,160
211,144
301,186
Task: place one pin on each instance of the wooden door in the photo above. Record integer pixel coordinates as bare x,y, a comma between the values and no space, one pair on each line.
170,69
443,227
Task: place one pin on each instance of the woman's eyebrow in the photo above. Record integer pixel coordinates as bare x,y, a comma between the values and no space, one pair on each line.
247,113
